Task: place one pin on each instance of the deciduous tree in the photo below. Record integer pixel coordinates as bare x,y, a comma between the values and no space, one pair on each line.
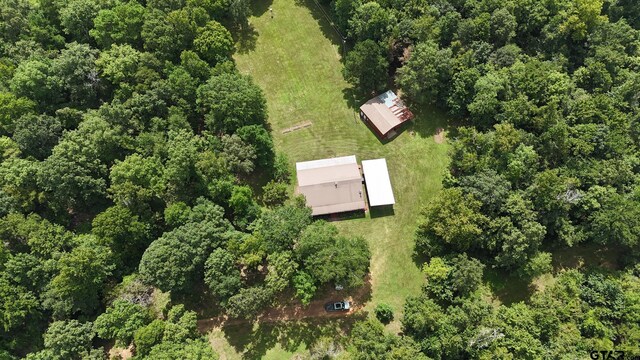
213,42
366,67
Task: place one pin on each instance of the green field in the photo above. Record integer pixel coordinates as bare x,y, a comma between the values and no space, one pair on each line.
295,58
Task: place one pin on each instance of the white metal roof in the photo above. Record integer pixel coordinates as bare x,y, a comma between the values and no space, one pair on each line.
376,176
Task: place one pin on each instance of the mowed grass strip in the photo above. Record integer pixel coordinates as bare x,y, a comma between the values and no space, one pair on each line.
296,61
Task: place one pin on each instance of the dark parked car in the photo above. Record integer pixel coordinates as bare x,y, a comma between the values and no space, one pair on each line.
337,306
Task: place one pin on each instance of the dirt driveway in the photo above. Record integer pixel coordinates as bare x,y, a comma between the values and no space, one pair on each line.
294,310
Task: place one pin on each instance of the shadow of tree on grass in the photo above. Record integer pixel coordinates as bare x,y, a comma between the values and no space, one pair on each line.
259,7
254,340
324,16
509,288
246,39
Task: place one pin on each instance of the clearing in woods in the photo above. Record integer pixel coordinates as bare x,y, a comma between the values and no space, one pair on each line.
295,58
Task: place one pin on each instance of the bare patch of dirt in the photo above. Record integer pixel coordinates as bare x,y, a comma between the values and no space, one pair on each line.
587,256
120,353
292,309
439,137
300,126
544,281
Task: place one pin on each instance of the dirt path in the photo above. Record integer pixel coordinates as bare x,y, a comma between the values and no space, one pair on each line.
439,136
293,310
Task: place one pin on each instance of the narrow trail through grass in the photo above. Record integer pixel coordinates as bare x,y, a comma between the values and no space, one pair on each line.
295,58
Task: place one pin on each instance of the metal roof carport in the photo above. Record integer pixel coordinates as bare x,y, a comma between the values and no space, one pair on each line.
376,177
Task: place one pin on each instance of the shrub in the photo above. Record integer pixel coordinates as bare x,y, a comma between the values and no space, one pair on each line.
384,313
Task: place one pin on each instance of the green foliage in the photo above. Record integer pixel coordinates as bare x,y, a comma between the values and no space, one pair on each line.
366,67
305,287
74,70
451,220
78,285
518,236
18,304
115,131
370,341
248,302
231,101
121,24
194,65
222,275
120,321
384,313
344,10
73,177
181,325
18,181
33,80
503,26
166,34
281,269
68,339
275,193
426,75
171,261
198,349
37,135
281,168
136,180
11,109
121,230
176,214
279,228
370,21
488,187
213,42
258,137
539,264
240,10
147,336
76,18
450,280
113,125
180,177
43,238
330,258
238,154
614,218
168,262
8,149
119,63
175,338
243,206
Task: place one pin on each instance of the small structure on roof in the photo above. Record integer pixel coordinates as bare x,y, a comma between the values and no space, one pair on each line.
376,176
385,113
331,185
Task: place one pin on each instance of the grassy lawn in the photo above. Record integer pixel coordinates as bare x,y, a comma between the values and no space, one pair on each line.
295,58
276,340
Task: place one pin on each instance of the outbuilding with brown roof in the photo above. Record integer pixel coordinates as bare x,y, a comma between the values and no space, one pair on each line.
331,185
385,113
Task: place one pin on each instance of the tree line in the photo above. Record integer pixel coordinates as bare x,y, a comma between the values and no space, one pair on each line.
137,169
543,97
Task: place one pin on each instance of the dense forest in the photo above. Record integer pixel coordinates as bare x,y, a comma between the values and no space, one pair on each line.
137,172
544,158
